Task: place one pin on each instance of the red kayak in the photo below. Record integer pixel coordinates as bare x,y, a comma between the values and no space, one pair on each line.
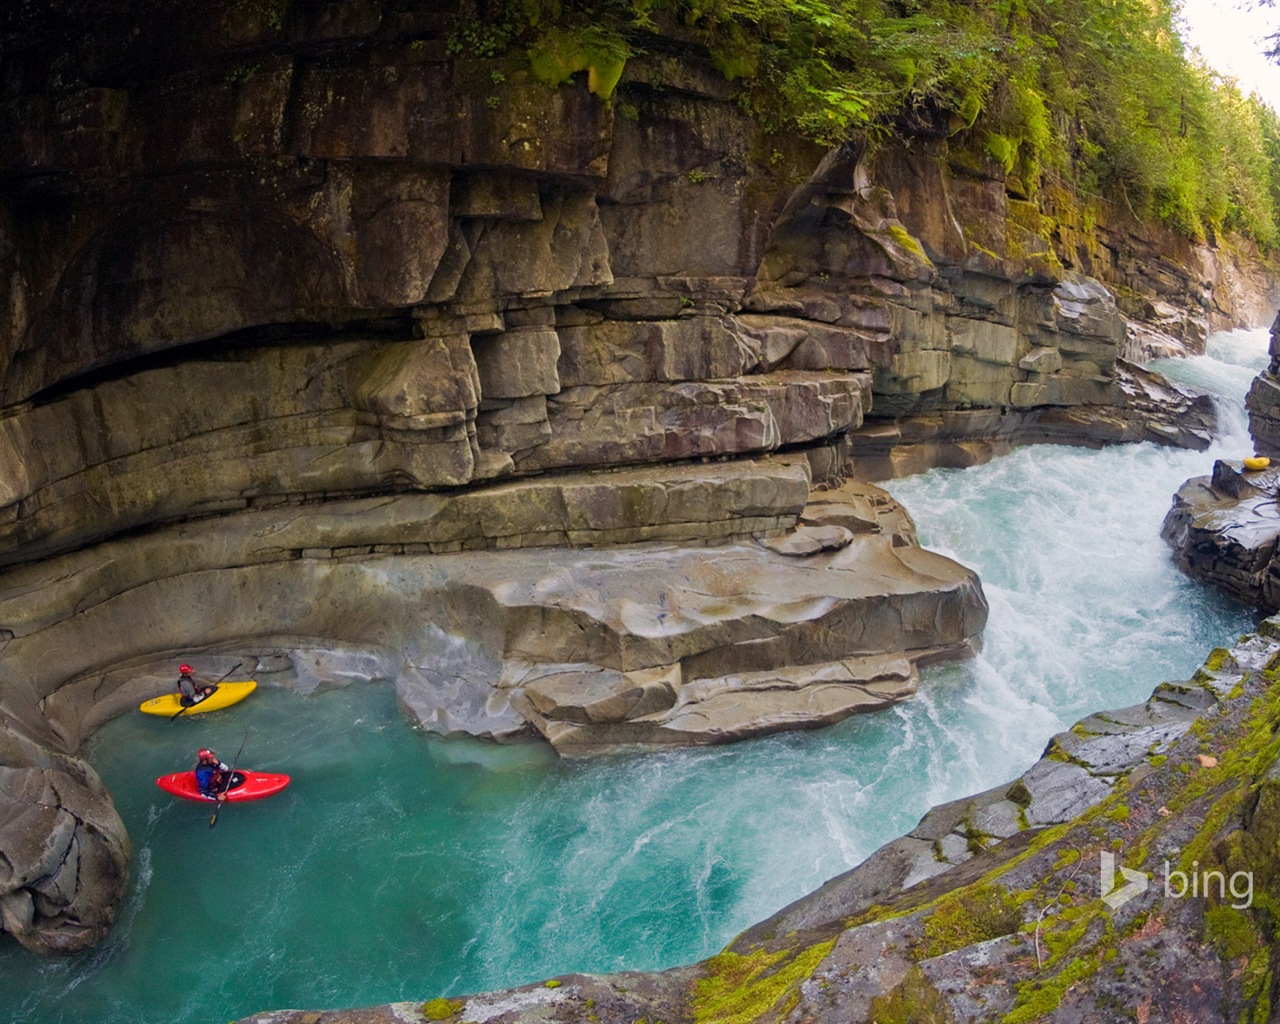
245,785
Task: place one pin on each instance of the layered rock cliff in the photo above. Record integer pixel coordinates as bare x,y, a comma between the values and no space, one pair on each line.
309,316
253,260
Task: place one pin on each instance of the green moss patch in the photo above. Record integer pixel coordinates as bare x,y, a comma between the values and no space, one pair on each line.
970,917
1038,998
1217,658
907,241
915,1001
441,1009
560,53
739,988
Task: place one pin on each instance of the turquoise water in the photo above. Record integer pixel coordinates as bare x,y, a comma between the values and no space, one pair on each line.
401,866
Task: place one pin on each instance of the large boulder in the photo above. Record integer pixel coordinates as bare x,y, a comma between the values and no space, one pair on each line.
66,853
1225,529
1263,400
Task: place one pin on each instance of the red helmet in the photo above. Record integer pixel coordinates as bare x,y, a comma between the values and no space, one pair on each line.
205,754
185,669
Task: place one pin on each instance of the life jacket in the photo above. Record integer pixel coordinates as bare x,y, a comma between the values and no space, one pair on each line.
209,778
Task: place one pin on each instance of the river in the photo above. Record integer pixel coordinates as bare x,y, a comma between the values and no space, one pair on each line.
402,866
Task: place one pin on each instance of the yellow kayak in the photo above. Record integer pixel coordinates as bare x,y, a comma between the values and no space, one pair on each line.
224,696
1257,462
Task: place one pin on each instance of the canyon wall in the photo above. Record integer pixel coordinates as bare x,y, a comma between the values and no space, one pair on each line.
326,341
249,260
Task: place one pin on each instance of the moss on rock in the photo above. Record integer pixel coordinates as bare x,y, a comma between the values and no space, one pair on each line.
441,1008
915,1001
740,988
972,916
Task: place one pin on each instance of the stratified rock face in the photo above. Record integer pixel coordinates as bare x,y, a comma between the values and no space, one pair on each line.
979,360
1154,409
253,258
1128,874
653,645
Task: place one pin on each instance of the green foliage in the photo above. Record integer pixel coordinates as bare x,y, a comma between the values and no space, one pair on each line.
832,68
738,54
1100,96
475,38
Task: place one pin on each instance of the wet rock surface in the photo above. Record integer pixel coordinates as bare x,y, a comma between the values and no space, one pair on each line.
1224,529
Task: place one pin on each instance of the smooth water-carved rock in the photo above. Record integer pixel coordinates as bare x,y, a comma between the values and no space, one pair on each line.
65,864
810,540
743,640
742,644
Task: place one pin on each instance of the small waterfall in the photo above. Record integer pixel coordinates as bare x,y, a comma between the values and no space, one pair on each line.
1231,361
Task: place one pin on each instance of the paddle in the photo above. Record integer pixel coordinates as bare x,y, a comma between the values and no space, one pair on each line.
224,676
230,777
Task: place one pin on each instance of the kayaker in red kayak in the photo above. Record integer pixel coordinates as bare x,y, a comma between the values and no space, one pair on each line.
189,691
211,774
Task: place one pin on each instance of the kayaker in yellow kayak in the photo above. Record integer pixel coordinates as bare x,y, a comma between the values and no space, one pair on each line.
189,691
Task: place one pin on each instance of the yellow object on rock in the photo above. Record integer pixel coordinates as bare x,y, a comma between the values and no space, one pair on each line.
1257,462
